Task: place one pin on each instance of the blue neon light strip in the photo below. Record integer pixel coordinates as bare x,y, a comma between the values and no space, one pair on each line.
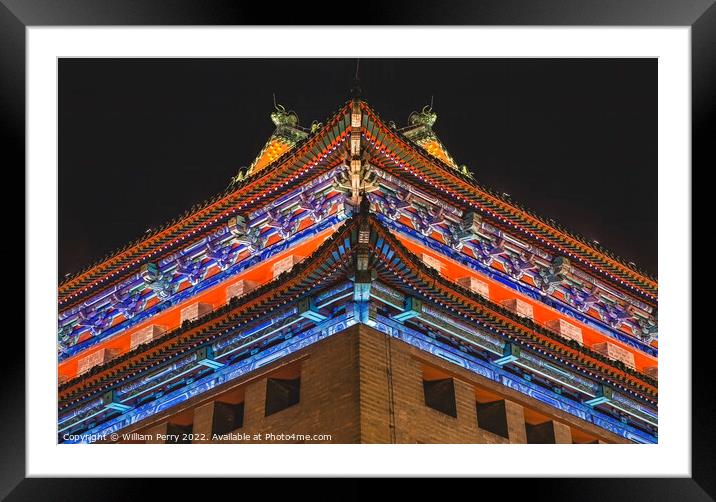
497,374
391,328
217,378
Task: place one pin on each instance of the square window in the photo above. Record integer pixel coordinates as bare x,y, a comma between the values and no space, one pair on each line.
281,394
492,417
540,433
180,432
440,395
227,417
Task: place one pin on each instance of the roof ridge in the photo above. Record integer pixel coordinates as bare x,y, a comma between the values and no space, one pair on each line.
232,189
549,222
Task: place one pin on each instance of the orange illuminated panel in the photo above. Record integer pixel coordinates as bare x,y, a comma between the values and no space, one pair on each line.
97,357
240,288
566,329
652,371
432,262
475,285
217,296
614,352
285,264
195,311
542,313
519,307
273,150
435,149
146,335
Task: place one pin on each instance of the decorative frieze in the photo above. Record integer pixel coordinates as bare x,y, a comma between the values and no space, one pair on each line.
566,329
96,358
466,230
475,285
518,265
248,236
393,205
223,254
240,288
283,222
192,269
146,335
615,352
128,303
549,277
582,298
315,203
519,307
486,251
614,315
432,262
285,264
96,319
156,280
195,311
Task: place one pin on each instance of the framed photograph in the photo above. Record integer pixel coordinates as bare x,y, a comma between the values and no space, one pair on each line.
437,246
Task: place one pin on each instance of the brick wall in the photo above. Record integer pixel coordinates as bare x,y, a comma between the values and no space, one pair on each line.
361,386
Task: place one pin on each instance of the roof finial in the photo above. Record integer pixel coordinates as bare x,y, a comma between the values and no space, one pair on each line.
279,108
356,90
281,117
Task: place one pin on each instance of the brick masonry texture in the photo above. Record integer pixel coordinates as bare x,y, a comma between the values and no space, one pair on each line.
360,386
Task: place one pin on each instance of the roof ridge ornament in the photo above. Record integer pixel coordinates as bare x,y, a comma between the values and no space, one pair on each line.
426,117
282,118
355,88
420,131
356,177
287,134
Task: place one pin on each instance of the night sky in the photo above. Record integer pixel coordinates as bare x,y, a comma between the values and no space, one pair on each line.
142,140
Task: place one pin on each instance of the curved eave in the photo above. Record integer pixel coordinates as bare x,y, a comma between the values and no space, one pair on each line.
467,192
484,311
313,272
263,186
327,264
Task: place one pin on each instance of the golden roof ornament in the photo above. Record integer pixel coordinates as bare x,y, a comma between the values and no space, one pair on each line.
282,118
426,117
420,131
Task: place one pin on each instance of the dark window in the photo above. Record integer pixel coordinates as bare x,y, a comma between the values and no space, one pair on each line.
227,417
182,433
440,395
540,433
281,393
492,417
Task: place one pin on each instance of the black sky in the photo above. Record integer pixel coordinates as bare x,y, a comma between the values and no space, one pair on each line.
141,140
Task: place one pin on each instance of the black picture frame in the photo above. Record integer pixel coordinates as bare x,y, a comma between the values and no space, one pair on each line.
700,15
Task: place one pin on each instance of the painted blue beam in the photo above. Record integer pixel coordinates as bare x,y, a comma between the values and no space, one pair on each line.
111,402
205,357
308,310
603,396
510,354
412,308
